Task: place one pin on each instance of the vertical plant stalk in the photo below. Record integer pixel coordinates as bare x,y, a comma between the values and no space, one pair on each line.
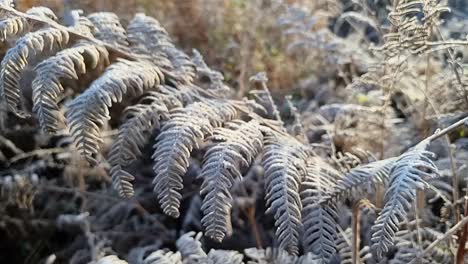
419,203
356,228
253,224
463,236
426,89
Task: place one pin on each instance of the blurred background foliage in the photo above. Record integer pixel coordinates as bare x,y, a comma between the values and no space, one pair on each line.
236,37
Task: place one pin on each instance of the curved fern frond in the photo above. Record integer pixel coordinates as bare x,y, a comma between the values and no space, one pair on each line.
13,27
146,35
178,137
21,55
140,120
161,257
132,135
89,111
284,160
236,145
174,97
216,79
406,176
319,219
109,29
190,248
363,177
42,12
68,64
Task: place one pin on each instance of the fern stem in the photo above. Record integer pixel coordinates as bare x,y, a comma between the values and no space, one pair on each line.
417,202
463,237
253,224
452,127
356,232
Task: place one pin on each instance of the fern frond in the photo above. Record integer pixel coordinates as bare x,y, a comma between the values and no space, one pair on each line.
161,257
146,35
13,27
112,259
191,249
109,29
42,12
178,137
225,256
236,145
216,79
80,23
362,178
174,97
406,176
68,64
132,135
138,123
18,58
89,111
319,219
284,160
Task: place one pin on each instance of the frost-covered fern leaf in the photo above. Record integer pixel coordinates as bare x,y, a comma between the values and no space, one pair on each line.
178,137
42,12
406,176
362,178
112,259
275,256
236,145
174,97
146,35
89,111
79,23
25,51
15,26
109,29
284,160
191,249
140,120
268,255
161,257
225,256
12,27
68,64
319,219
216,79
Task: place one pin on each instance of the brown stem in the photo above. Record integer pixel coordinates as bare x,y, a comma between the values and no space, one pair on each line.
356,232
419,203
253,224
463,235
447,130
